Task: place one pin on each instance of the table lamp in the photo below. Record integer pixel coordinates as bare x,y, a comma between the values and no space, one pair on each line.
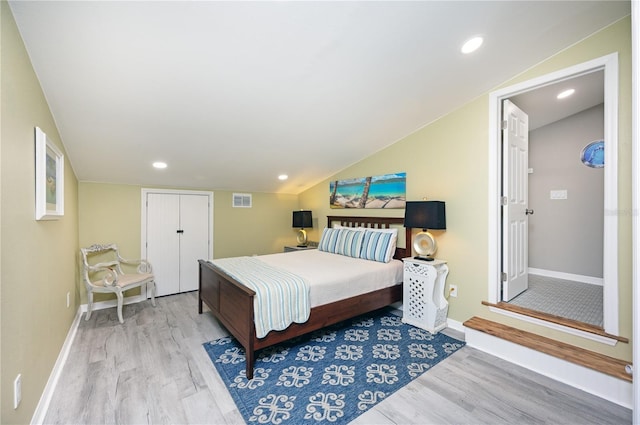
302,219
425,215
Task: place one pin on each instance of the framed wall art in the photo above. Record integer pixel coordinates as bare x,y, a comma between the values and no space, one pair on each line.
49,178
386,191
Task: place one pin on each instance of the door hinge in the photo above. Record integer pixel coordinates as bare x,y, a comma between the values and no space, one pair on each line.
503,277
504,125
503,201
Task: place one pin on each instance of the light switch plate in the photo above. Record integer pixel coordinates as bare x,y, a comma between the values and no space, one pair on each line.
558,194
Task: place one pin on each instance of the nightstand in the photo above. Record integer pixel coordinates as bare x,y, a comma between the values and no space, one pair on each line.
292,248
424,304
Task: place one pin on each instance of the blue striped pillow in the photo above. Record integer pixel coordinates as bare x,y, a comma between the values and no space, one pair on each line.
350,243
378,245
329,240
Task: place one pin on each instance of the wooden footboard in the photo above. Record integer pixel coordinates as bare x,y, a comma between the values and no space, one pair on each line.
232,303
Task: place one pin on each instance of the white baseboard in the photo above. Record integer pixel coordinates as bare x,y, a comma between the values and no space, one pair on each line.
599,384
45,399
455,325
567,276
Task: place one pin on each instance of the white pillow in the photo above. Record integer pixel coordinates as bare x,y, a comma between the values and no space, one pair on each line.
340,226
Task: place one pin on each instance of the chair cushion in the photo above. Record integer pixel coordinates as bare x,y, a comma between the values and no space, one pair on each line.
133,278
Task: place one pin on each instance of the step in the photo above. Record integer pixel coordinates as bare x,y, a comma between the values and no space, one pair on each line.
581,326
590,359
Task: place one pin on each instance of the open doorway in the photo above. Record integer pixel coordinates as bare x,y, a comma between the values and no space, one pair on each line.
565,179
542,232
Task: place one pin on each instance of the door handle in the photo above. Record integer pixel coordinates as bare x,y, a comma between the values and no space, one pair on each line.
179,231
528,212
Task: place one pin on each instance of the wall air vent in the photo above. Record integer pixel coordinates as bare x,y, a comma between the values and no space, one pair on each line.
241,200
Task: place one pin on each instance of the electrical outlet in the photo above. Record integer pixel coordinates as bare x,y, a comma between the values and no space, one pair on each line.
453,290
17,391
68,299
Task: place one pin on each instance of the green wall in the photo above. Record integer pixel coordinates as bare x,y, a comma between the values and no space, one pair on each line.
263,229
447,160
112,213
38,257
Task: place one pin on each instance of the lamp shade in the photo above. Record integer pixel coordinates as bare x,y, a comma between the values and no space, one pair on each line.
302,219
425,215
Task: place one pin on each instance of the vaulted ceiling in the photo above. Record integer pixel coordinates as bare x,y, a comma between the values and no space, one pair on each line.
232,94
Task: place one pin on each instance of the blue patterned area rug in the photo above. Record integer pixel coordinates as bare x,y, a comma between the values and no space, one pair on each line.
332,375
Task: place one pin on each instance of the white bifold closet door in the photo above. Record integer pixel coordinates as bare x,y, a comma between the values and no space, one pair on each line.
177,236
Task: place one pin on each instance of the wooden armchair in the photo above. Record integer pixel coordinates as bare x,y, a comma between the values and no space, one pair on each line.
105,275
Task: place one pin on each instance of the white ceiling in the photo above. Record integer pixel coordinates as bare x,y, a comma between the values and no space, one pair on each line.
543,106
232,94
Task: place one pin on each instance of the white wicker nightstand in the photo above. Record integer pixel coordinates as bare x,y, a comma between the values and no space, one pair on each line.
424,304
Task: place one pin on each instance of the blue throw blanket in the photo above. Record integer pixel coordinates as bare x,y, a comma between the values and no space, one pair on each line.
282,298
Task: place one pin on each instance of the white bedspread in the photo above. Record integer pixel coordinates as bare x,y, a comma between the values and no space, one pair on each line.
333,277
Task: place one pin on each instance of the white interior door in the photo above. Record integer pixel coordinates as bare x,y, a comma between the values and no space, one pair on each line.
194,239
163,247
178,233
515,139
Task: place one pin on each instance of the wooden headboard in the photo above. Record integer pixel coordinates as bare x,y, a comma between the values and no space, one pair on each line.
376,223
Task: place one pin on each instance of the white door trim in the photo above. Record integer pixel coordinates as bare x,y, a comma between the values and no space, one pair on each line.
609,64
635,189
143,218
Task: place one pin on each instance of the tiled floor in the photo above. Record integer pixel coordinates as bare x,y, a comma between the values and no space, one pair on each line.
565,298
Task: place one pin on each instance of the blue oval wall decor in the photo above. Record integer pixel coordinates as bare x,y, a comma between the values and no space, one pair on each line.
593,154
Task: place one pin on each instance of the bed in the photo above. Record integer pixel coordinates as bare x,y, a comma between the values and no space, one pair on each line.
232,303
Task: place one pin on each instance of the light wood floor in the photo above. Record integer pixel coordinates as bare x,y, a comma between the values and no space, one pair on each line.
153,369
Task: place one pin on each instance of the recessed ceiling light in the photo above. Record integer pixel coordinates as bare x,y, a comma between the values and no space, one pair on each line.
471,45
566,93
159,165
283,177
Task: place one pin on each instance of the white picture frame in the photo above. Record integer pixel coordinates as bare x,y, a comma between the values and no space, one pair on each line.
49,178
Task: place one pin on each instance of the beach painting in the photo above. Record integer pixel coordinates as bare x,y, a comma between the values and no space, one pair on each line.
49,178
387,191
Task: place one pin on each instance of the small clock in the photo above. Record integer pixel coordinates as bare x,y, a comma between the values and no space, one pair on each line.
593,154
